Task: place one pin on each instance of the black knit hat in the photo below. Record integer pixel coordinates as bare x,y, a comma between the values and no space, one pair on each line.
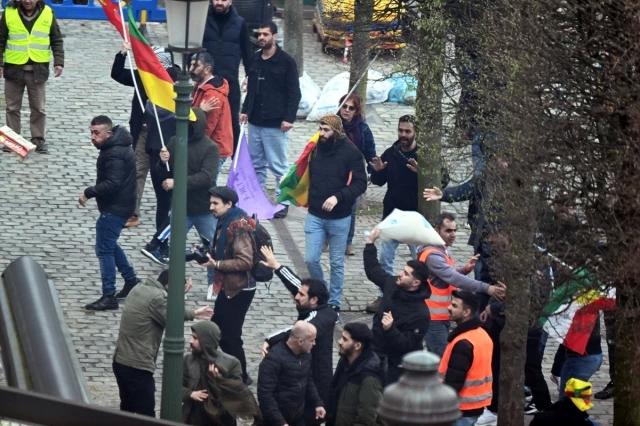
359,332
225,193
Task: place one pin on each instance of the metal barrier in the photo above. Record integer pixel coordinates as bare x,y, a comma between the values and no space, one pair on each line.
37,353
46,410
143,10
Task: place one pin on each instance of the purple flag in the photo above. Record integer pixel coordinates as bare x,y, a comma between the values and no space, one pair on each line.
243,180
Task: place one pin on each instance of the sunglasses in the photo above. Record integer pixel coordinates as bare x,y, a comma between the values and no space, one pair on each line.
349,107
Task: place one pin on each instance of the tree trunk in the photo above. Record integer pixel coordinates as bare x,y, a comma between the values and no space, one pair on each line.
293,27
429,50
363,12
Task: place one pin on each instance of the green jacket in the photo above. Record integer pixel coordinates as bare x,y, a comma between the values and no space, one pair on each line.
356,391
228,395
142,324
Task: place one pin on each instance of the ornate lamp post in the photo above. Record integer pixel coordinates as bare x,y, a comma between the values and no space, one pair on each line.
419,398
186,20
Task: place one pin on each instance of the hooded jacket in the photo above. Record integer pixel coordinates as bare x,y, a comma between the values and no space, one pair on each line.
563,412
410,315
356,391
336,168
227,394
218,127
115,188
202,165
141,326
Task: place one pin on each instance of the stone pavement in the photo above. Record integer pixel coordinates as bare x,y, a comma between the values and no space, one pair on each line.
40,216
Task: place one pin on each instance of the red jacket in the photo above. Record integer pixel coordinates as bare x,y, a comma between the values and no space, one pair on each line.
219,127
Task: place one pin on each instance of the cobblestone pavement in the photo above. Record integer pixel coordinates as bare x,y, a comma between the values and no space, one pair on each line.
40,216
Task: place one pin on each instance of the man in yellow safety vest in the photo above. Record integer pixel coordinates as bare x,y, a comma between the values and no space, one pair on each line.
29,37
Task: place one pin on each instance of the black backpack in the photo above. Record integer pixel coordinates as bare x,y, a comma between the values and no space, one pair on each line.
261,237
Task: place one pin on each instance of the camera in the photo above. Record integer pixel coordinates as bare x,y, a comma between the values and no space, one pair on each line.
199,252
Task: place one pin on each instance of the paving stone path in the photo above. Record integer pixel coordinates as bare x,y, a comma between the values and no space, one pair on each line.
39,215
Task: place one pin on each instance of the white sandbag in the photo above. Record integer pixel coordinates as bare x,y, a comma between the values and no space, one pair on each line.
310,92
377,92
409,228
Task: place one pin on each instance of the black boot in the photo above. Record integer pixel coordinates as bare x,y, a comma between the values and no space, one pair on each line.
128,286
103,304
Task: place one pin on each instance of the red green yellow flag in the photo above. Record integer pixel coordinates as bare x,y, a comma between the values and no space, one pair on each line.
295,185
157,83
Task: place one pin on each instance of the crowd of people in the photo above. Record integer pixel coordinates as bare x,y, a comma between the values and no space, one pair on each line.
429,303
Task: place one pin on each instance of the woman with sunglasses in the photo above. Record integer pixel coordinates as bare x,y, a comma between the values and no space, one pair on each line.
358,132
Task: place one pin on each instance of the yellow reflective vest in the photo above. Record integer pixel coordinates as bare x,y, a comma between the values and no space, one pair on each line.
22,45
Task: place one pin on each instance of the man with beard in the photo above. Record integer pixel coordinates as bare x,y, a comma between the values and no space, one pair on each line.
213,90
231,257
212,387
311,298
466,362
397,167
115,193
273,94
356,388
402,318
337,177
226,39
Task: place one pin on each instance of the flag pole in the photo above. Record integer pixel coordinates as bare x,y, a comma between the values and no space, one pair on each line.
125,35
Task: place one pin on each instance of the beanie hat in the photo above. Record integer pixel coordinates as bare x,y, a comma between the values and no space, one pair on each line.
580,393
359,332
163,57
226,194
334,122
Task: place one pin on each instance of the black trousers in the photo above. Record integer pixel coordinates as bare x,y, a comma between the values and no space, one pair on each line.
163,198
229,315
137,389
234,105
533,376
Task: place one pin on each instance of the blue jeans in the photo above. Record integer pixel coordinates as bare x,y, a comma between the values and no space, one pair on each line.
221,161
317,231
205,224
436,337
466,421
268,149
110,255
388,254
578,367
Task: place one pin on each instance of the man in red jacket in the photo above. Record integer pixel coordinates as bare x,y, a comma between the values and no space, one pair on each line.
211,95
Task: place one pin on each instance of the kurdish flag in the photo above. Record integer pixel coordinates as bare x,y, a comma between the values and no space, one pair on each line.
158,85
295,185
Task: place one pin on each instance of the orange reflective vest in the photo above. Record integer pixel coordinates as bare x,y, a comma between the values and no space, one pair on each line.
476,391
438,302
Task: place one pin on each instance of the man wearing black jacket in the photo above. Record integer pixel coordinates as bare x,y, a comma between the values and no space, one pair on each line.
337,177
285,384
273,95
115,193
226,38
311,298
402,318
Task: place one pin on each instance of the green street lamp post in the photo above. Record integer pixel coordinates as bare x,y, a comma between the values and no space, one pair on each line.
419,398
185,21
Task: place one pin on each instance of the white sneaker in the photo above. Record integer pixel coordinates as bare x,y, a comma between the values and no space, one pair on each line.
487,418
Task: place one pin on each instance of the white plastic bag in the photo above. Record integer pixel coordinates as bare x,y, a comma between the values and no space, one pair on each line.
409,228
310,93
377,92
